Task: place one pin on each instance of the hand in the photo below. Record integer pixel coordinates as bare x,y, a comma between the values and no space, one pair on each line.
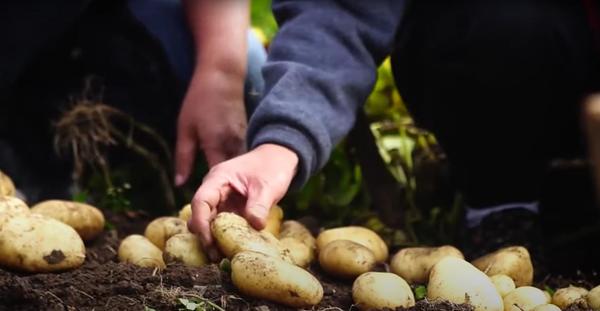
212,118
248,185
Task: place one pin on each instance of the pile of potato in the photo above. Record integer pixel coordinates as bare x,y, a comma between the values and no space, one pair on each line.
47,237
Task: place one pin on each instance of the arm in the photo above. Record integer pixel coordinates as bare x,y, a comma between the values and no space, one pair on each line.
212,116
321,68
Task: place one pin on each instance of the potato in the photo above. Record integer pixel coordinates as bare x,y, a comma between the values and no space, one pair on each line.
457,281
524,298
12,206
548,297
265,277
346,259
567,296
185,248
87,220
36,243
161,229
593,298
138,250
360,235
414,263
546,307
274,221
233,234
186,212
7,187
379,290
299,241
504,284
513,261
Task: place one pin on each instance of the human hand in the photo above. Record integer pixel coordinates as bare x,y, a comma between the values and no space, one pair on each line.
212,118
248,185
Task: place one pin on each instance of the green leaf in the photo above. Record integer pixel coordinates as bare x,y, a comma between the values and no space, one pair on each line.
420,292
549,290
80,196
146,308
189,304
225,265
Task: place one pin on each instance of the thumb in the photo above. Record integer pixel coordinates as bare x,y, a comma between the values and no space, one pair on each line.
260,200
185,153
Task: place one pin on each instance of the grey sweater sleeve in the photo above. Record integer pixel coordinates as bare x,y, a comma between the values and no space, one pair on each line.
320,70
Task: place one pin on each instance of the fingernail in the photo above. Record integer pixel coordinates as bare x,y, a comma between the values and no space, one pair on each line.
179,180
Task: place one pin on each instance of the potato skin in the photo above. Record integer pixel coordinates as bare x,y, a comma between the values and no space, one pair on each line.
298,251
457,281
233,234
7,187
564,297
138,250
36,243
274,221
414,263
12,206
360,235
161,229
546,307
266,277
504,284
346,259
186,212
299,241
513,261
379,290
87,220
524,298
593,298
185,248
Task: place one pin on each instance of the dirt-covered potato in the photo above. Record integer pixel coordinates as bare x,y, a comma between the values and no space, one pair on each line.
36,243
546,307
138,250
266,277
233,234
524,298
360,235
564,297
414,263
299,241
593,298
504,284
185,248
186,212
346,259
161,229
457,281
274,221
7,187
513,261
87,220
12,206
379,290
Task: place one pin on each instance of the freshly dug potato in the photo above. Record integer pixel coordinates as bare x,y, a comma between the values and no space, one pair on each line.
513,261
233,234
360,235
12,206
161,229
299,241
7,187
593,298
298,251
379,290
504,284
414,263
548,297
457,281
524,298
546,307
87,220
186,212
36,243
138,250
346,259
274,221
185,248
266,277
567,296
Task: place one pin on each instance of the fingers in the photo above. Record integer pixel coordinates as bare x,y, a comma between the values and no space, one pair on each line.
260,200
185,153
204,208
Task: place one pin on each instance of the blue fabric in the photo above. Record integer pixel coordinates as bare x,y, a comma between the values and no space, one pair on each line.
165,21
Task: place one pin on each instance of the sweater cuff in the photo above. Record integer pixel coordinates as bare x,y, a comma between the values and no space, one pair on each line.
294,140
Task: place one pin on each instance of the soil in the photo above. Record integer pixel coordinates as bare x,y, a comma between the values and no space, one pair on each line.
104,284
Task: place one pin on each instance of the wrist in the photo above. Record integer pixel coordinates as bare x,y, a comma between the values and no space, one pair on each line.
285,156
